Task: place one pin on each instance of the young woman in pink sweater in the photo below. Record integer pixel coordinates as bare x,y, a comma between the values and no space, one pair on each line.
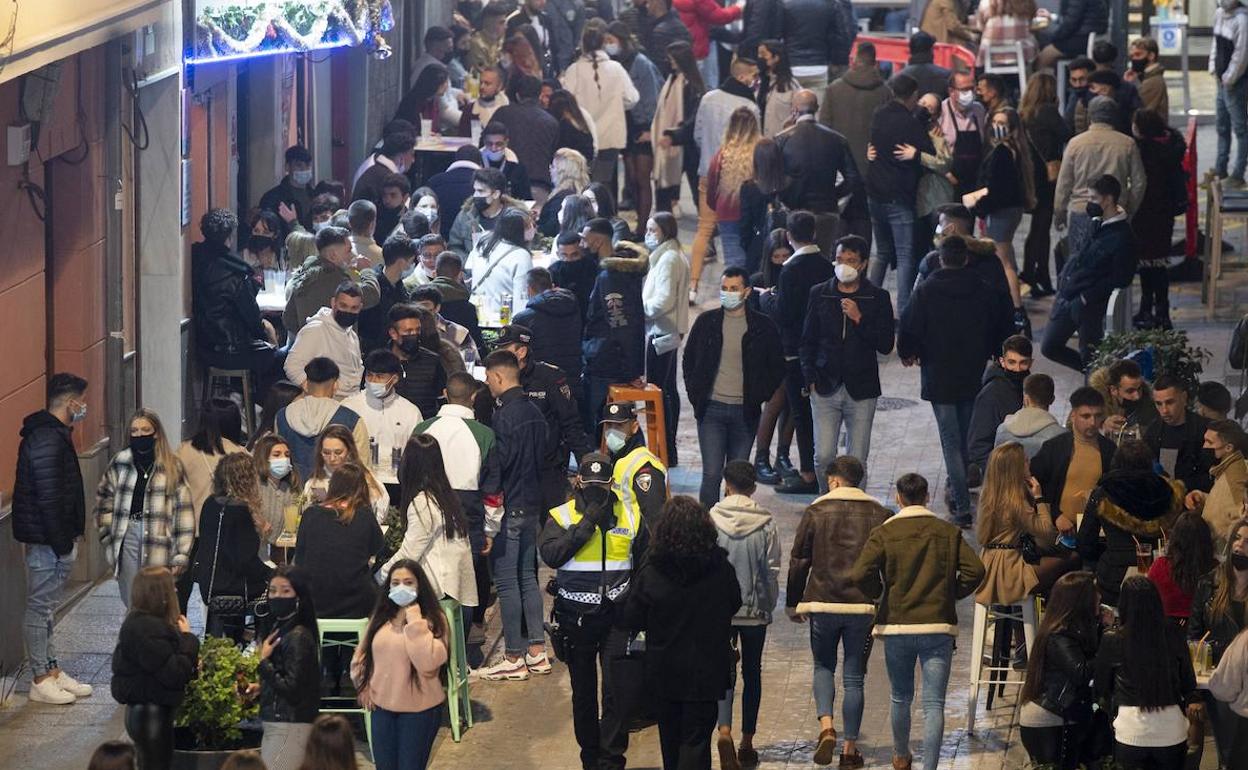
396,669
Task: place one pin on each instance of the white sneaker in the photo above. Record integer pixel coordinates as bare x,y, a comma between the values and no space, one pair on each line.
505,670
47,691
73,686
537,664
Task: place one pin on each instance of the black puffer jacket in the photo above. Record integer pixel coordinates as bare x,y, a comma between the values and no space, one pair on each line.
1068,658
615,321
48,504
223,300
1000,396
554,317
290,678
762,361
1076,19
153,661
1127,506
819,32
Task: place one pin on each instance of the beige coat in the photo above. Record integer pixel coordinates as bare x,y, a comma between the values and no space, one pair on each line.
199,469
1098,151
1008,579
1225,504
942,21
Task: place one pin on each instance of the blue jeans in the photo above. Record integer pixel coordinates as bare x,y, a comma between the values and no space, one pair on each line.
403,740
723,435
1078,233
934,653
750,643
953,422
1067,317
129,559
829,412
853,634
1232,101
893,225
46,574
730,237
513,560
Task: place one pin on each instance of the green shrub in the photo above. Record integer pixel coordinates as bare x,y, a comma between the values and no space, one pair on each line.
215,703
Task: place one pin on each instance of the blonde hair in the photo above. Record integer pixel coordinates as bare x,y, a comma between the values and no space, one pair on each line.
737,150
569,170
1003,500
166,460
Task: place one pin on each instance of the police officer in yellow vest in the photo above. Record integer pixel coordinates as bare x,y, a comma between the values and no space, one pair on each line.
640,478
593,541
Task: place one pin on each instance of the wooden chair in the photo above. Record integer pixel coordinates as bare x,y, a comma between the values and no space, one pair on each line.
653,417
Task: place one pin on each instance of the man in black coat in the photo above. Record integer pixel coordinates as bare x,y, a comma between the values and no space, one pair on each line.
1083,450
454,186
808,267
761,20
849,323
1178,437
1000,396
818,34
533,131
615,329
931,77
49,515
814,157
951,327
893,184
660,26
732,366
553,315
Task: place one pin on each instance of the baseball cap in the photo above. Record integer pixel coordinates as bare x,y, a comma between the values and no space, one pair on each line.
595,468
514,335
619,411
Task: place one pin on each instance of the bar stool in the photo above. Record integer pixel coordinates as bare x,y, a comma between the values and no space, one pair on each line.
1007,60
220,381
458,704
998,671
655,421
357,627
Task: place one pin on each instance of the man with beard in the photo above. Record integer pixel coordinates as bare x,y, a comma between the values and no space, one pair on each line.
395,190
1129,401
592,541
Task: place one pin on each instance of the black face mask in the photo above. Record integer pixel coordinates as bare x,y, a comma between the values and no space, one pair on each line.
1095,210
1239,561
1129,407
595,495
259,243
283,607
480,202
1139,65
345,320
923,116
143,446
410,344
1016,376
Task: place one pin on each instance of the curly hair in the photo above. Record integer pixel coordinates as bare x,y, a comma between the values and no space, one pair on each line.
569,170
235,478
684,530
217,225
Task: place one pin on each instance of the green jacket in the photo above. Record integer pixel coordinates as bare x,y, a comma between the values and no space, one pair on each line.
922,565
312,287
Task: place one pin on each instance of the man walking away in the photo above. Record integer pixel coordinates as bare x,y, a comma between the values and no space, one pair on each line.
920,566
1032,425
815,157
749,534
49,515
832,530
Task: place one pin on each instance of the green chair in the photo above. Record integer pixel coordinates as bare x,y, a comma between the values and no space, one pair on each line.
356,626
457,702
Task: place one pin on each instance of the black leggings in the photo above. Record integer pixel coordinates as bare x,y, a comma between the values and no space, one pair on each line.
1150,757
151,728
1154,290
1059,747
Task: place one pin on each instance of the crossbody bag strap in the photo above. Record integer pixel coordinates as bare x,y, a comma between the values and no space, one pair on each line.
216,552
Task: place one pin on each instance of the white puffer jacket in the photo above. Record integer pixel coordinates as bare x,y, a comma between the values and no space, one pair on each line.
605,98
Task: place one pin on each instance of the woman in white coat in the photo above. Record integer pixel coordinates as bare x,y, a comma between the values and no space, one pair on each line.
604,89
500,260
437,531
667,315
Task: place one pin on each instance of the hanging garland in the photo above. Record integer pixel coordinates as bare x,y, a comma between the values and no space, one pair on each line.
294,26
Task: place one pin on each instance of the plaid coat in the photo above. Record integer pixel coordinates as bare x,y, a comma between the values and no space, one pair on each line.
168,515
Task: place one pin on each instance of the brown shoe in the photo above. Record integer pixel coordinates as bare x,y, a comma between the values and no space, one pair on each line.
747,757
851,761
902,763
826,749
727,754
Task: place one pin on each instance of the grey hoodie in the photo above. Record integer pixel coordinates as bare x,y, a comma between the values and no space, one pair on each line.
749,535
1030,426
310,415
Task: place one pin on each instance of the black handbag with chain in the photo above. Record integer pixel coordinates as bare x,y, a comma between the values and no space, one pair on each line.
226,604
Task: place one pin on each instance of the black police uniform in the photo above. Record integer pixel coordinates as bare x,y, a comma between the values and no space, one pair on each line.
547,386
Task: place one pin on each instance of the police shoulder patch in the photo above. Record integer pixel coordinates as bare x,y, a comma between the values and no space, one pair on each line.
644,481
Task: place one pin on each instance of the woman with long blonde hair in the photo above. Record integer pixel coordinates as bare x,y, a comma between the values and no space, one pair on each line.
227,561
731,167
569,175
1011,511
143,508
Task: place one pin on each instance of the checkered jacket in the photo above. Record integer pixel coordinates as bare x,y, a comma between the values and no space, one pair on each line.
1005,31
168,515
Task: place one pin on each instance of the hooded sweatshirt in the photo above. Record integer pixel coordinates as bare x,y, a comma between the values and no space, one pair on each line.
851,101
1030,426
308,416
322,336
749,534
554,317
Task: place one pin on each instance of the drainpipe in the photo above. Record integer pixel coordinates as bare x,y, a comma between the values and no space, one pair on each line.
114,290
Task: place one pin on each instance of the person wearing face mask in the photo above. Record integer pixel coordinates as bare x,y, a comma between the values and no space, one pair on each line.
279,487
300,243
303,420
667,315
395,190
316,283
589,588
481,212
962,120
1147,73
1000,395
1089,277
423,376
49,515
331,334
496,153
499,262
849,324
639,477
262,251
1218,617
1223,504
397,264
295,191
1128,398
289,670
391,418
733,363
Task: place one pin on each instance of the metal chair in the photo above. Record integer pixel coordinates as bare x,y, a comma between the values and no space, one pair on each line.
356,626
998,671
458,704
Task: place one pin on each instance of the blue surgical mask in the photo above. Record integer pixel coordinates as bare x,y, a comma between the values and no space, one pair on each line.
301,178
652,241
279,467
616,439
731,300
402,595
493,156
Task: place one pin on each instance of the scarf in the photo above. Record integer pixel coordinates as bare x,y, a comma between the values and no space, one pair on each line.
670,114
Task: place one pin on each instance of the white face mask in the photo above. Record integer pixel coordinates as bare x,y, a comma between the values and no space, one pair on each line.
965,98
846,273
652,241
430,212
612,49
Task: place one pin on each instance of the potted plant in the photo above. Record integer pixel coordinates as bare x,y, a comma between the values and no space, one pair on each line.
1156,351
209,723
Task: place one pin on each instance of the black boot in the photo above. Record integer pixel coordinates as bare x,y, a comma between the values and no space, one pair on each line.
764,473
1022,322
784,467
